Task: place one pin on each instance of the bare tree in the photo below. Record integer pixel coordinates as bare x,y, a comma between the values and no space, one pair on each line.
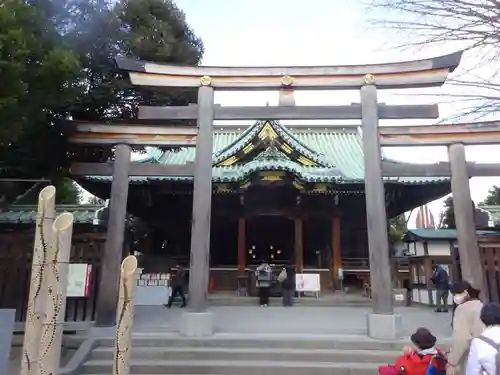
469,25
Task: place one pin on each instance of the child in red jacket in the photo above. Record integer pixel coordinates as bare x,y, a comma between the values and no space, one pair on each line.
416,360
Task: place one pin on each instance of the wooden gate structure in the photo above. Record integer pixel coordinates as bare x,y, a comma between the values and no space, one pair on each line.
455,137
383,323
15,269
489,255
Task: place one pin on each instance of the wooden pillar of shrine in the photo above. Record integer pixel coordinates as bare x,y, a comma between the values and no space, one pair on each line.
298,244
468,248
336,251
241,246
107,296
382,323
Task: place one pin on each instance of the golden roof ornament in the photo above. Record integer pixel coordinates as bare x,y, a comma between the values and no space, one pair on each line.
286,80
205,80
369,79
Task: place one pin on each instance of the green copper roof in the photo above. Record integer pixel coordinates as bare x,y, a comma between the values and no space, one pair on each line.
26,214
336,153
442,234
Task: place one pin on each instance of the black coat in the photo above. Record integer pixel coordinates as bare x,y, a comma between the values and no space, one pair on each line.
178,278
289,282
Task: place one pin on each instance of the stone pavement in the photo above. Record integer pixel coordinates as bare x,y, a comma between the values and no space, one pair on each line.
296,320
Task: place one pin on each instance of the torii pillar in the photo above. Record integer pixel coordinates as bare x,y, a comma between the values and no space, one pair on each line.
197,321
382,322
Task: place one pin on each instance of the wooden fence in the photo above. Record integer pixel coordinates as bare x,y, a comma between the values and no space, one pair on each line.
16,249
490,260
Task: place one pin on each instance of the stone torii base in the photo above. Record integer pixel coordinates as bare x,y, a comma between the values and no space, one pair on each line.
384,326
195,324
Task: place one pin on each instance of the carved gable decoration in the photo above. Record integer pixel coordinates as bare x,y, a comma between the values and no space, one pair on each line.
269,139
272,154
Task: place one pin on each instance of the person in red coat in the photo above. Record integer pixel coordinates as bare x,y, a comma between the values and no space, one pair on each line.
416,359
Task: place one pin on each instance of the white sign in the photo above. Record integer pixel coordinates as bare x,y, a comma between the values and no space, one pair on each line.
341,273
399,297
307,282
79,275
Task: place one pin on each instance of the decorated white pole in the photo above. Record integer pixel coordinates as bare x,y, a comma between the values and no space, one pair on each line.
36,300
56,274
125,317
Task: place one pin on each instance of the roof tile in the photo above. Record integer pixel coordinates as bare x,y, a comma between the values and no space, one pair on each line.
26,214
339,150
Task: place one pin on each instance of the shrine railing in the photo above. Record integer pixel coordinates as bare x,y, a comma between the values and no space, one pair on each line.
363,264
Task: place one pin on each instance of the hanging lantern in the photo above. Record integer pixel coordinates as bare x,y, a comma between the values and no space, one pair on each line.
253,256
271,247
272,256
279,252
250,251
253,247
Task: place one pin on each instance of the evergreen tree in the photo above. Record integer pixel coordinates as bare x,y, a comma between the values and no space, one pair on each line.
398,226
493,198
447,217
57,59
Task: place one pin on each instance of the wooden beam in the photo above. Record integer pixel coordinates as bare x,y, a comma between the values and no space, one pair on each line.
480,133
242,243
343,112
131,134
336,251
298,244
442,169
135,169
409,74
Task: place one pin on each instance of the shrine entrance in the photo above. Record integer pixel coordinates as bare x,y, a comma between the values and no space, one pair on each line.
270,238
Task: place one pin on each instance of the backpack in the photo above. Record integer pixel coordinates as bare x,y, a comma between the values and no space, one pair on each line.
437,365
493,344
282,276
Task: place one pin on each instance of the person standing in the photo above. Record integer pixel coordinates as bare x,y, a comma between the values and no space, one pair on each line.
441,280
484,349
177,280
467,324
264,279
288,285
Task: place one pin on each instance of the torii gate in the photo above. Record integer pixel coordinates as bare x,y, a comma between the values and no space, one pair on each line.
382,323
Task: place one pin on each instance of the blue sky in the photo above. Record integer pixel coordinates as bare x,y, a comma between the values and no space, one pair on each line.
318,32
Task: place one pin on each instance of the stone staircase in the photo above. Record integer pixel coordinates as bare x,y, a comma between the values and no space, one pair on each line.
248,355
325,300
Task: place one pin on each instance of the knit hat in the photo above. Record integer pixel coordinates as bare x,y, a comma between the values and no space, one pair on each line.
423,339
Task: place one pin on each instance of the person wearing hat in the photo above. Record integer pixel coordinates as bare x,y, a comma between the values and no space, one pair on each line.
483,352
416,359
467,324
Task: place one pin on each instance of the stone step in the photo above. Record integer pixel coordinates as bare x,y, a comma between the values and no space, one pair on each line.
251,354
277,301
285,342
212,367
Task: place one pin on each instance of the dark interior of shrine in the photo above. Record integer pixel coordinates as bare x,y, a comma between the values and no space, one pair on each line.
268,237
271,239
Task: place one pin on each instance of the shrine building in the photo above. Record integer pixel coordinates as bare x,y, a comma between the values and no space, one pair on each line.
284,194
